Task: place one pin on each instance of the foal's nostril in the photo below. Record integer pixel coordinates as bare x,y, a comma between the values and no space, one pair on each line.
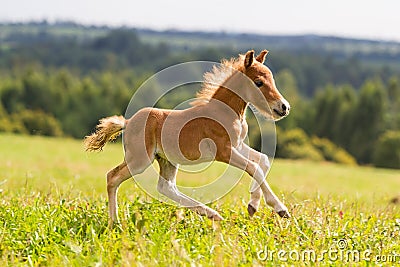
283,107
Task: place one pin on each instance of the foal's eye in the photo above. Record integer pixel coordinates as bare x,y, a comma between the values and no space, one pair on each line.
258,83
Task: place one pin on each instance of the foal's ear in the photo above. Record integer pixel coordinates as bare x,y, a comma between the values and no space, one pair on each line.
261,57
249,58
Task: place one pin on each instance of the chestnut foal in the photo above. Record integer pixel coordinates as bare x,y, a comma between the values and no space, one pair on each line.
214,128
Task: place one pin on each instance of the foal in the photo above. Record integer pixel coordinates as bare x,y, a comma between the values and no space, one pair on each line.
214,128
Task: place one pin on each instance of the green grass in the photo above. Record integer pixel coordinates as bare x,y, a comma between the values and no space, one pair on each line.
53,212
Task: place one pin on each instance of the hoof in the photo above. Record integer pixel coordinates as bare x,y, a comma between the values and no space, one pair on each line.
251,210
216,217
284,214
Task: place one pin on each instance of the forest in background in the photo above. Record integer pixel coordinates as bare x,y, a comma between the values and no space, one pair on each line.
59,79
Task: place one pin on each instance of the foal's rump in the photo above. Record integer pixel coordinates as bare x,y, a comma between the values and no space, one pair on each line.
139,137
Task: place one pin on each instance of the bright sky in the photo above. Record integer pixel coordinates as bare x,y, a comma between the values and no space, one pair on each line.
350,18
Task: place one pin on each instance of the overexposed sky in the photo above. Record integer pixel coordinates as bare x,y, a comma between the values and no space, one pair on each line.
357,18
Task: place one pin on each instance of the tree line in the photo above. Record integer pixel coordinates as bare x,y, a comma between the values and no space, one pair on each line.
365,121
56,102
123,49
341,110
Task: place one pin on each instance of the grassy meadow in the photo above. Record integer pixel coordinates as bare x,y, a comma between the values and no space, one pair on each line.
53,212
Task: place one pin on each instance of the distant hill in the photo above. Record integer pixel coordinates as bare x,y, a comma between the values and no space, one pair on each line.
281,42
369,50
313,60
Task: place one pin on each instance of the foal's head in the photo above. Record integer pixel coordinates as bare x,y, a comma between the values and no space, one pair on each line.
263,79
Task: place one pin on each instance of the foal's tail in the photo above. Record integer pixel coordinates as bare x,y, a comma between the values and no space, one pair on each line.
108,129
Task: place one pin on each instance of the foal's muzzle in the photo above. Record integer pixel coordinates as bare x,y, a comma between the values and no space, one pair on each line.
281,109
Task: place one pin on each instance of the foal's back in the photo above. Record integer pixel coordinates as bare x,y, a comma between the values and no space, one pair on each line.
189,136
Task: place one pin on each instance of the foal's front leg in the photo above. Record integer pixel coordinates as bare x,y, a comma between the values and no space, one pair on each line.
167,186
255,189
257,169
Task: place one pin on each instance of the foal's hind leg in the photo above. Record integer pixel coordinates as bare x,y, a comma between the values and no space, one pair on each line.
114,179
167,186
118,175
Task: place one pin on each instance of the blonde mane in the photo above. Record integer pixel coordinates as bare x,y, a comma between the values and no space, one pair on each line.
217,77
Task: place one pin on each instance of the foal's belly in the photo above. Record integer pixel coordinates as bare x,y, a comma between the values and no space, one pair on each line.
190,137
187,148
192,142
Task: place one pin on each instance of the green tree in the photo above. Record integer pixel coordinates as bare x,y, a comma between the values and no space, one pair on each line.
325,105
38,123
332,152
387,150
287,85
344,116
295,144
11,94
5,124
368,122
393,118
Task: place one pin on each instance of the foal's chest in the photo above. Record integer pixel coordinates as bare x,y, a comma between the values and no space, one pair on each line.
240,128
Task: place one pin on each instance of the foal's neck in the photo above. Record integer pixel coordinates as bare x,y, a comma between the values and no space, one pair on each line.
235,102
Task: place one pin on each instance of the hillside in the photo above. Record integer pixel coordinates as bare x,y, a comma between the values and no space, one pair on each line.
380,51
70,75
